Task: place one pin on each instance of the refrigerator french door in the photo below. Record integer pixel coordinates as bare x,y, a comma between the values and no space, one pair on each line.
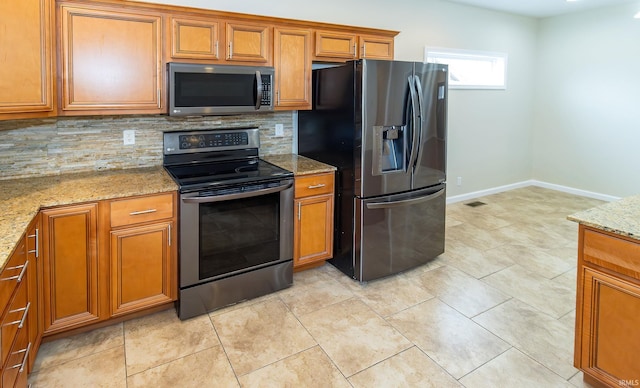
383,125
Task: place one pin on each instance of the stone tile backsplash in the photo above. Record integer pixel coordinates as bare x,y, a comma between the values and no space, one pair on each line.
76,144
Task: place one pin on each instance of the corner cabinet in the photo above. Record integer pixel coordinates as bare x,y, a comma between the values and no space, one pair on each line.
111,60
313,223
292,57
608,308
26,64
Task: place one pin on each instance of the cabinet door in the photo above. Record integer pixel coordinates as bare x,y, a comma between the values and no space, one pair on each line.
26,73
142,267
292,54
111,61
70,267
313,230
335,45
35,292
375,47
610,318
195,39
248,42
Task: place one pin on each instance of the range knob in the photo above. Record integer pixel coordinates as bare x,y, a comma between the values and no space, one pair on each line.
184,145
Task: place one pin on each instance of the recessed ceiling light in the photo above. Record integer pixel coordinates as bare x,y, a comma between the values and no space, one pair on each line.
637,16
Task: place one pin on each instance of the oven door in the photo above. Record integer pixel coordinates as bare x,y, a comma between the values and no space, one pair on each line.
235,230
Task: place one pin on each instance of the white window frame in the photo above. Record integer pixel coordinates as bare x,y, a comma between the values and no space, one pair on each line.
446,55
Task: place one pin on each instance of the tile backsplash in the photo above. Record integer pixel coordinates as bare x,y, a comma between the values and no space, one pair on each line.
77,144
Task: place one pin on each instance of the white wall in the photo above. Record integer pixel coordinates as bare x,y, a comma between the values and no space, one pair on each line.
587,107
489,131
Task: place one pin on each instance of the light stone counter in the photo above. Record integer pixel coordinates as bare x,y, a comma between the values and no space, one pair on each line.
620,217
297,164
21,199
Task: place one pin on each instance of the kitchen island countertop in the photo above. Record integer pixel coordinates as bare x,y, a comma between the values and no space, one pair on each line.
620,217
21,199
297,164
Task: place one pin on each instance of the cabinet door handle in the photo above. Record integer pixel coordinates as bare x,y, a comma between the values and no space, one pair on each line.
19,322
354,50
36,236
299,210
24,359
169,236
364,51
17,278
216,49
230,50
316,186
142,212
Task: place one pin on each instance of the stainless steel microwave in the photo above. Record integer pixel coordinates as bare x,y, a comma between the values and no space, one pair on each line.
200,90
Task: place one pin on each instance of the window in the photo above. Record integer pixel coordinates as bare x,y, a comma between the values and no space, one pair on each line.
471,69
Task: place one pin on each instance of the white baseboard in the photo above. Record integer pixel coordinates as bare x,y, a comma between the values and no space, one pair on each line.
532,182
571,190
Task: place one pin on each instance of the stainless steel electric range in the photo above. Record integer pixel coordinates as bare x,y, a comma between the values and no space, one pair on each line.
236,218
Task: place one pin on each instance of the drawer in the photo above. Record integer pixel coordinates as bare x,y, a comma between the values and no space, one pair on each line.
141,209
14,319
16,367
14,272
310,185
615,253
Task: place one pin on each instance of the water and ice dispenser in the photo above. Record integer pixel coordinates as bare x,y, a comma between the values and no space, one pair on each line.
389,149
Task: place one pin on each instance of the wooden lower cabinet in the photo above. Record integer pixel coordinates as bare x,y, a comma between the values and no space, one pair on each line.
313,223
608,309
70,267
107,259
142,267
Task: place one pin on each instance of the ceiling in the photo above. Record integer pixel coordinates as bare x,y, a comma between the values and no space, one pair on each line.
541,8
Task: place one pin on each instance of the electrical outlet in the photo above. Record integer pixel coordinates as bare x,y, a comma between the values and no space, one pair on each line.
279,130
129,136
459,181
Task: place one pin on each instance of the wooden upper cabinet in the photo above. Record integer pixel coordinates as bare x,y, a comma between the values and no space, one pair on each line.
335,45
26,59
249,42
193,38
292,63
111,60
375,47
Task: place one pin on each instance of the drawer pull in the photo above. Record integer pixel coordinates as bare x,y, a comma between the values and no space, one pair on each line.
17,278
142,212
316,186
24,359
37,237
24,316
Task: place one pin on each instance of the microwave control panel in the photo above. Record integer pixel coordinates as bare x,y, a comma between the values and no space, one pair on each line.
266,90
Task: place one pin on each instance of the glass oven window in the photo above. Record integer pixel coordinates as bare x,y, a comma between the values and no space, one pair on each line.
238,234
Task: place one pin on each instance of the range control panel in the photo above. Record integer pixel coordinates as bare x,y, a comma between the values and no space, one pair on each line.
211,140
223,139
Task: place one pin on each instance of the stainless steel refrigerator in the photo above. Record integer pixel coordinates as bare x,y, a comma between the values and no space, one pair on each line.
383,124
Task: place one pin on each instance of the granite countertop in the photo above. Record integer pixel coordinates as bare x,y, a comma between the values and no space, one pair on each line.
620,217
21,199
299,165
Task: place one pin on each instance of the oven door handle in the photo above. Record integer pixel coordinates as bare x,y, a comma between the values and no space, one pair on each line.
246,194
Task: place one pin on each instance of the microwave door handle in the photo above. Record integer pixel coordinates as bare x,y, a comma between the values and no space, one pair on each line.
247,194
258,89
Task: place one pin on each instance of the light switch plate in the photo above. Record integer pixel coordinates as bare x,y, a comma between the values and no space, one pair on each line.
129,136
279,130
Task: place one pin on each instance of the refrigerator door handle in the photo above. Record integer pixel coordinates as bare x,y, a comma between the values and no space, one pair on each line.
420,117
414,120
388,205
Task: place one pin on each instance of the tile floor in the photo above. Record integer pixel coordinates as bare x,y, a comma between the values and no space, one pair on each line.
495,310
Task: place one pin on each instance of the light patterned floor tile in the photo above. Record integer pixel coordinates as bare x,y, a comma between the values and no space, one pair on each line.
411,368
104,369
260,334
513,369
310,369
389,295
353,335
449,338
207,368
162,337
